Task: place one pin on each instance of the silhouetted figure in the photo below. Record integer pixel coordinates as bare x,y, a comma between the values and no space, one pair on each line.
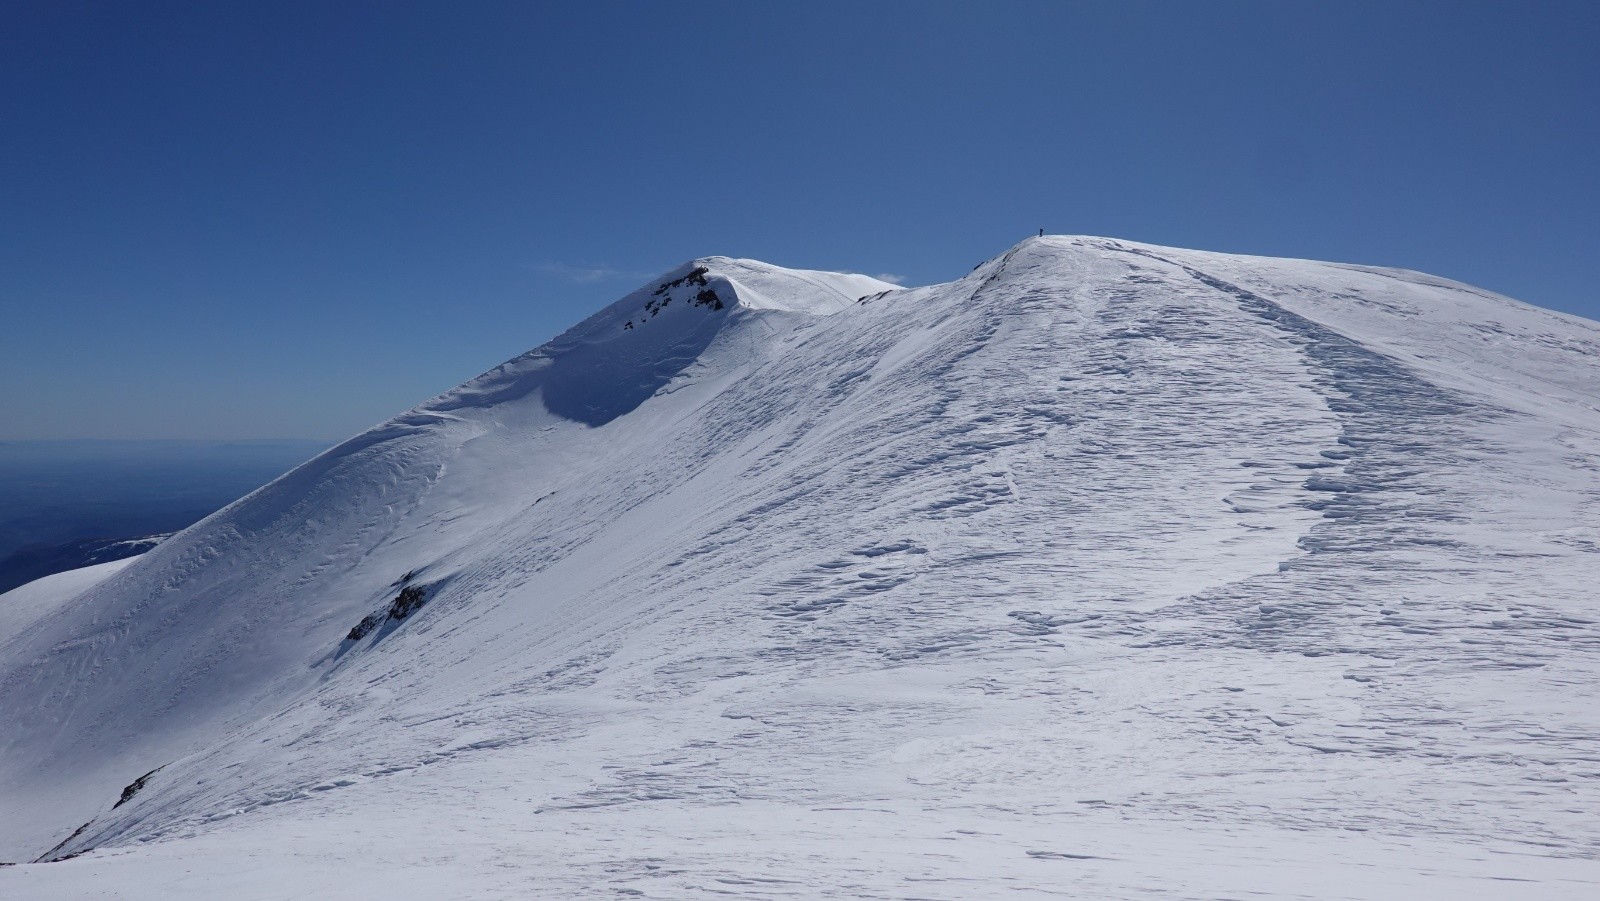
1041,232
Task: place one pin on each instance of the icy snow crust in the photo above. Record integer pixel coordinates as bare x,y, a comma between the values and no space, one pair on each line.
1106,570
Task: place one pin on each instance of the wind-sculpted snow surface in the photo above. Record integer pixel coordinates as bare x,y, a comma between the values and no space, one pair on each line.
1108,570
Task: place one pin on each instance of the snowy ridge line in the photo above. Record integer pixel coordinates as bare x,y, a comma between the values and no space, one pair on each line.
1103,553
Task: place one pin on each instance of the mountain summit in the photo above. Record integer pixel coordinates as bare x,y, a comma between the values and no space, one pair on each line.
1107,568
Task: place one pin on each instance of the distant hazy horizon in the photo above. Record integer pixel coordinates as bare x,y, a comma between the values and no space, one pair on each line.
56,494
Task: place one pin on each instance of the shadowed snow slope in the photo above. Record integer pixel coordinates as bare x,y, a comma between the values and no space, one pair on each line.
1106,570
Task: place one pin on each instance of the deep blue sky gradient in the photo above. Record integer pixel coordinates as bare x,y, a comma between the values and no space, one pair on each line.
230,220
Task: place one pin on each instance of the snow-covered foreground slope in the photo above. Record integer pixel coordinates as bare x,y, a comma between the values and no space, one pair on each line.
1107,570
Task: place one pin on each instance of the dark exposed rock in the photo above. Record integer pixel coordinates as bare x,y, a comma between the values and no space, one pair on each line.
50,856
705,297
364,628
696,276
133,788
404,604
407,602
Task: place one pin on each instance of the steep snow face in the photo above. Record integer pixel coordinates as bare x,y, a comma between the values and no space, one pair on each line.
1108,567
613,361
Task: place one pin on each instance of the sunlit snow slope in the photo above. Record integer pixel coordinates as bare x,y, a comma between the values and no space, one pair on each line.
1106,570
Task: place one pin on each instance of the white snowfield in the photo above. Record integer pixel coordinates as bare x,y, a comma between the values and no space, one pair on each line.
1107,571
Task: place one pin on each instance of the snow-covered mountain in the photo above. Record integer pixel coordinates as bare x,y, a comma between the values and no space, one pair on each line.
1107,570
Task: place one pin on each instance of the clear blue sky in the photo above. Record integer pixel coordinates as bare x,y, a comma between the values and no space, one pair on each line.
228,220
